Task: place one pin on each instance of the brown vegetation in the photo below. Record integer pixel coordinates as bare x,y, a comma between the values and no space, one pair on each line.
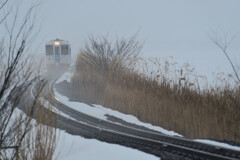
167,96
21,138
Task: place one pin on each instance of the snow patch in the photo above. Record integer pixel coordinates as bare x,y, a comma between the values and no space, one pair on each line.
220,144
65,77
71,147
99,111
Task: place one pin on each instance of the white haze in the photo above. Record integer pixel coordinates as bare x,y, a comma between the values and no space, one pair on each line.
175,28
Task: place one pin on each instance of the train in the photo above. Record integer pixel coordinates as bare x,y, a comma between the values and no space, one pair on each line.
58,54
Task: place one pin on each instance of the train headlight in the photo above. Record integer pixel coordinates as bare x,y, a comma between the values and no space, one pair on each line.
57,43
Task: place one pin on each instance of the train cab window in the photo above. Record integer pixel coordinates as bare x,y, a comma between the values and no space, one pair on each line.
64,49
49,50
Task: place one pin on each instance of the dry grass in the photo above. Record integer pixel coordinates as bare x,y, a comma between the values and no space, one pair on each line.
40,141
165,95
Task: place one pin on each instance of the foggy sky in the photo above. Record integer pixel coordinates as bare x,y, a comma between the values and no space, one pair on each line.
175,28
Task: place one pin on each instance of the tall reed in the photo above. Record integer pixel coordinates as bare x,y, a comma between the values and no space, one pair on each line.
164,94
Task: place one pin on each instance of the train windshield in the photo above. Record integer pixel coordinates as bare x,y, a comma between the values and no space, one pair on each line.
64,49
49,50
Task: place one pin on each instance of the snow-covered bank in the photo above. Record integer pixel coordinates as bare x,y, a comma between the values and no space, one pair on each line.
214,143
69,147
100,112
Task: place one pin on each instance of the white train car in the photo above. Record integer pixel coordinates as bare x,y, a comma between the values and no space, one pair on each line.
58,53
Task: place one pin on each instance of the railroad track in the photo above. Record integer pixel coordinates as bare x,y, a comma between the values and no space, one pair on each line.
164,146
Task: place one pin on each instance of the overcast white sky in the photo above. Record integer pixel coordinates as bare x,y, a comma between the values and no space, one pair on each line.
175,28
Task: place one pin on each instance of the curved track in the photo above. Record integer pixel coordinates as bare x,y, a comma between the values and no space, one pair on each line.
166,147
152,141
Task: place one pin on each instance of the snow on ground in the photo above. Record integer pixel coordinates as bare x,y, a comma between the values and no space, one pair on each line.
99,111
214,143
71,147
66,76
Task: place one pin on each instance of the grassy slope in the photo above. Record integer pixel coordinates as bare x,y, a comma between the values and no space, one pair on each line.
173,104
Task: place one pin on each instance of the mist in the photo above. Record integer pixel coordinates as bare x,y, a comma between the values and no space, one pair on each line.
167,27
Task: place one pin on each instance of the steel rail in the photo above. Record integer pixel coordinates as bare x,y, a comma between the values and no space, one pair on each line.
176,145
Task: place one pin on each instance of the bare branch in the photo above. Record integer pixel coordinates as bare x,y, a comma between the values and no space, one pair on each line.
15,72
224,46
114,56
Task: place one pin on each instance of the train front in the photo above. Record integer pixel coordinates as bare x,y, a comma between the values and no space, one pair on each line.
58,54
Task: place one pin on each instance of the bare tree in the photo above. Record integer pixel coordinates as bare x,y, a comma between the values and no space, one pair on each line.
223,42
106,55
15,80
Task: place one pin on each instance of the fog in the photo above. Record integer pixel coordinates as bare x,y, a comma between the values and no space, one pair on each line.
167,27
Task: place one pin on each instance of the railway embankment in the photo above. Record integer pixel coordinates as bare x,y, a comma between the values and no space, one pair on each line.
158,92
